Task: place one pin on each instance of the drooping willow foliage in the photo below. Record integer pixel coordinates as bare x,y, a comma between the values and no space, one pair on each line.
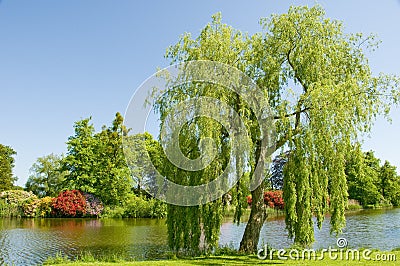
187,224
318,82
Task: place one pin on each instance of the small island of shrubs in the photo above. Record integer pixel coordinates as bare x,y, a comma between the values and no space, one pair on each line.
74,203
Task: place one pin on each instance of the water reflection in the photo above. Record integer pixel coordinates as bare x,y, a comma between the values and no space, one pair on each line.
30,241
379,229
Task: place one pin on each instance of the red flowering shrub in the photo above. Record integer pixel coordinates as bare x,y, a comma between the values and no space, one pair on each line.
249,199
70,203
273,199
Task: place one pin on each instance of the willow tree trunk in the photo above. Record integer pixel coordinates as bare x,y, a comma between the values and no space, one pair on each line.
258,215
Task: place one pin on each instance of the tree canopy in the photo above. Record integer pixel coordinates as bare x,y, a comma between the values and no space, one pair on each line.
46,177
370,183
323,94
6,165
95,162
135,147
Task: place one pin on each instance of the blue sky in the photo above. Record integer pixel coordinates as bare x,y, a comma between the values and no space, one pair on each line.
61,61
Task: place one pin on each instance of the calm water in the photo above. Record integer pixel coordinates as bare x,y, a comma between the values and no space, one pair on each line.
30,241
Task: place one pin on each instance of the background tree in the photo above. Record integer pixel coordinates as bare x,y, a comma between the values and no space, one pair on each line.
372,179
278,164
46,177
95,162
6,165
362,177
80,161
113,179
135,147
389,184
319,84
369,182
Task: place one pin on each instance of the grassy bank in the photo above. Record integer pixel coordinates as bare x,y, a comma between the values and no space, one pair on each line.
375,258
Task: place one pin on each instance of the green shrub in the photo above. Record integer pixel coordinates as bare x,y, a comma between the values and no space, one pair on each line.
137,207
159,209
116,212
396,199
140,207
353,205
385,203
5,210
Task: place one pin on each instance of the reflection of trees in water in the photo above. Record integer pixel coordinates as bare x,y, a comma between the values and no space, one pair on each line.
139,238
27,240
96,223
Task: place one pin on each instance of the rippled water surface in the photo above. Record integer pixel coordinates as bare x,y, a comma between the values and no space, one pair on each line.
31,241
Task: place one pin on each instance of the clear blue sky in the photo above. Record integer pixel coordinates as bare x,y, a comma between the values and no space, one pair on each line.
61,61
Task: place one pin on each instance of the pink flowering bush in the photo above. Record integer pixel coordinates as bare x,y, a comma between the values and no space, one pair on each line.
94,206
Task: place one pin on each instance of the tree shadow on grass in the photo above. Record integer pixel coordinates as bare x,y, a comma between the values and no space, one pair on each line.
238,260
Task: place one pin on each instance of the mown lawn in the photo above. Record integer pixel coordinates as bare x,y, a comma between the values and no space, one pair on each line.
253,260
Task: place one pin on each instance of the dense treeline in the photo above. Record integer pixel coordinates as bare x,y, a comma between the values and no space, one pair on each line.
371,183
91,179
95,171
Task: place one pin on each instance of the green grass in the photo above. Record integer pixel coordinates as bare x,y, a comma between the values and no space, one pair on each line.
240,260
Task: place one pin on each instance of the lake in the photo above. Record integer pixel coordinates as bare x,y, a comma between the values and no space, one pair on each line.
31,241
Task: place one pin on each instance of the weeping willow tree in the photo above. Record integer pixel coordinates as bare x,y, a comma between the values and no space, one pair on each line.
323,94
